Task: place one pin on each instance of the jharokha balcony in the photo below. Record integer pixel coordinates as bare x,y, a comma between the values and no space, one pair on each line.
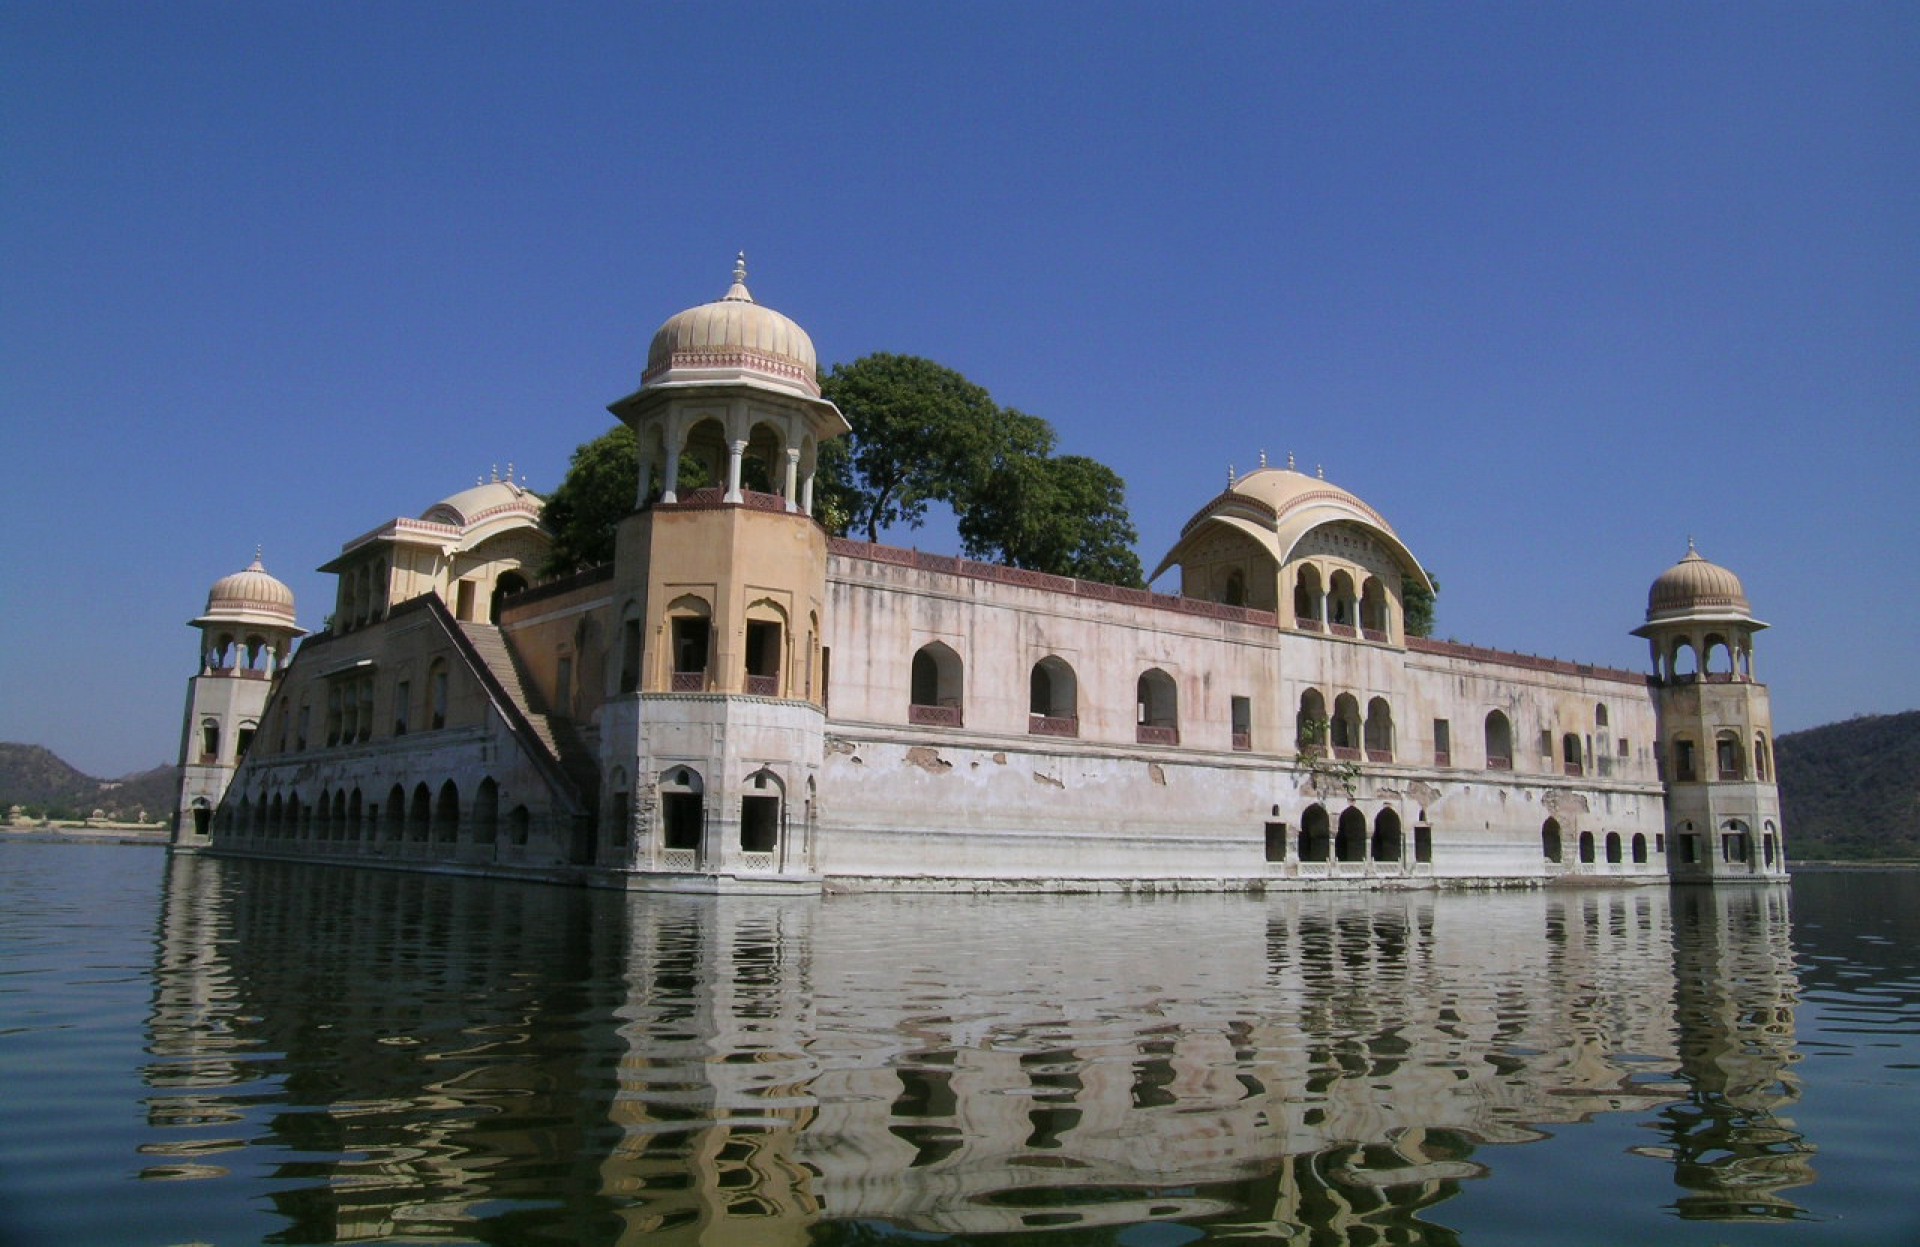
1148,734
689,681
763,686
1053,725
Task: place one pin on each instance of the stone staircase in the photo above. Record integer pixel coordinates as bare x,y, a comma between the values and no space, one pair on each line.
561,738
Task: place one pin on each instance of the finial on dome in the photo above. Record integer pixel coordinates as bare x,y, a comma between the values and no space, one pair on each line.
1232,476
256,557
1263,461
1320,470
509,471
496,474
737,293
1691,549
1290,461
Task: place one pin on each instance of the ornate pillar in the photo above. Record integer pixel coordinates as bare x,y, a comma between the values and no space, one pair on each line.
736,450
791,491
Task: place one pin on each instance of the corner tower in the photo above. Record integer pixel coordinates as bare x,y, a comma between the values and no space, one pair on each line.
1715,745
716,722
246,635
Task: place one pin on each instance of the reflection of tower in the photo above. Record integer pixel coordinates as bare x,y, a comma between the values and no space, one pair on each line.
1716,726
246,634
1732,1150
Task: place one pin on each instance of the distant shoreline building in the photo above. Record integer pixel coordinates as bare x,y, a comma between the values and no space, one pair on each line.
738,702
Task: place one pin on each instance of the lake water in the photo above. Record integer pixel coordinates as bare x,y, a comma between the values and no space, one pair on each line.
199,1051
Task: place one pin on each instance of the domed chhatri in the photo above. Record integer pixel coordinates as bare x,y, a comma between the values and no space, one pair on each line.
732,339
250,595
1696,588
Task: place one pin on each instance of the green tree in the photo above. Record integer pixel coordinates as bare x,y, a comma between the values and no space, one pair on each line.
1417,600
1065,515
597,492
921,433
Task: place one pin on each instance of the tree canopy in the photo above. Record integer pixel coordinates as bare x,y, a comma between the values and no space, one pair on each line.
597,491
1418,602
922,433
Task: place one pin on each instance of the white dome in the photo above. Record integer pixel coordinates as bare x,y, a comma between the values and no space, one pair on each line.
250,596
733,339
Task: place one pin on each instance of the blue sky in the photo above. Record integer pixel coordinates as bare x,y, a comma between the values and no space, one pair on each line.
1553,286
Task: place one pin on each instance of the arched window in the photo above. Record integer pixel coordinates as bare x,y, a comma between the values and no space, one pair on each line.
1586,847
935,697
703,458
630,650
1308,597
1499,738
1762,759
446,813
1639,848
1346,728
1613,847
763,465
760,805
1386,836
437,693
1376,610
506,586
1235,591
1685,765
766,647
1727,756
486,811
1719,657
1052,699
1350,844
420,819
1600,714
1310,725
1156,708
683,814
1379,731
1570,753
1550,840
1343,604
396,814
1735,845
690,630
209,741
1316,840
1683,661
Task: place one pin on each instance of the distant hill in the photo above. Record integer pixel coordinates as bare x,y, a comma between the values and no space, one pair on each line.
1851,791
44,785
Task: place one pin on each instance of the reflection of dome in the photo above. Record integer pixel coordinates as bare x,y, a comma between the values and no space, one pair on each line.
734,339
1694,586
250,596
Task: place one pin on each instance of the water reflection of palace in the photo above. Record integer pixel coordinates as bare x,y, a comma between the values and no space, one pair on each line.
412,1054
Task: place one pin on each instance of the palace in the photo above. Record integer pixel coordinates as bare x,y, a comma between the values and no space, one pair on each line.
740,702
